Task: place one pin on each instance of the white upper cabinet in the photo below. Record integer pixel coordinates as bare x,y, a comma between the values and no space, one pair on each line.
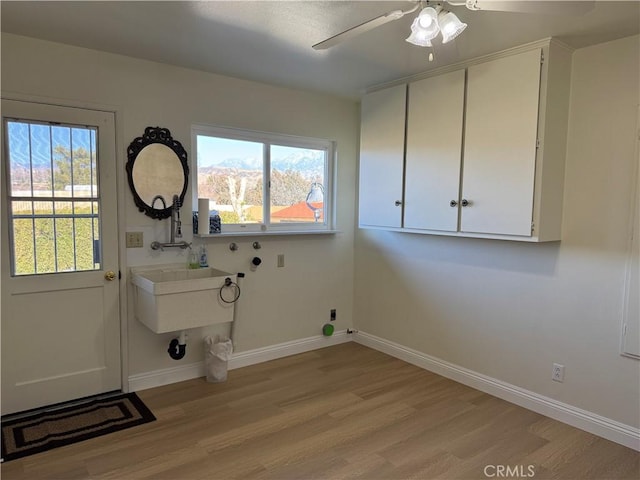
484,152
434,140
631,308
501,129
382,157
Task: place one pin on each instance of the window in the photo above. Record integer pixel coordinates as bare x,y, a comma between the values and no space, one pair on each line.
264,182
53,197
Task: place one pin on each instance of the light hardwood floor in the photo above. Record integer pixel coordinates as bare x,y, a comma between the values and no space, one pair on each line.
340,412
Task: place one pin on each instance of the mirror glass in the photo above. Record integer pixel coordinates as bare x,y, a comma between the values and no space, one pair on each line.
157,170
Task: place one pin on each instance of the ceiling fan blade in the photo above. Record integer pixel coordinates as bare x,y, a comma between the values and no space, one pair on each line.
363,27
545,7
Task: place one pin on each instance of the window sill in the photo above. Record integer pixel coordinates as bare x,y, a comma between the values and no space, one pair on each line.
266,234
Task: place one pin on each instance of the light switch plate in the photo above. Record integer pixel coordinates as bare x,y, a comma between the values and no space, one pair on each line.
134,239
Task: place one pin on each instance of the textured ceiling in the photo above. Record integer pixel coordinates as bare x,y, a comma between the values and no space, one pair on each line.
271,41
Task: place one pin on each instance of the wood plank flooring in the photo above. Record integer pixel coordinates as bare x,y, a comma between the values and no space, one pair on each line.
340,412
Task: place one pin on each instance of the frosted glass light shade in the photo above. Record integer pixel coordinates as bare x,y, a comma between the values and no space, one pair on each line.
420,35
428,19
417,40
450,26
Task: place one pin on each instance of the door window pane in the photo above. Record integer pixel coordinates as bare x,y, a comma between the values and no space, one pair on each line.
53,197
19,154
24,257
45,241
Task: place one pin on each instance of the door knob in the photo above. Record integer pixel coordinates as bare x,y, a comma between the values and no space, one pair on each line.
110,275
465,202
453,203
398,203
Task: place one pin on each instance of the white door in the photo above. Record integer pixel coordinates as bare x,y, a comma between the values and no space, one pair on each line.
434,149
500,145
382,157
60,305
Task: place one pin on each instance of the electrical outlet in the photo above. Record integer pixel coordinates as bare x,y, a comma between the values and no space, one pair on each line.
333,315
280,260
134,239
557,374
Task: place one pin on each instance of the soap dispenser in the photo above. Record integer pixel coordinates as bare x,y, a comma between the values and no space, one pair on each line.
203,257
192,260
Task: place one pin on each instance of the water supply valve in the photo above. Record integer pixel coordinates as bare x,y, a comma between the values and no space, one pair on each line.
255,261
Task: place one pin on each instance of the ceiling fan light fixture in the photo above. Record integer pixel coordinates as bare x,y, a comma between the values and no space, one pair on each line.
420,35
417,39
433,20
450,25
428,19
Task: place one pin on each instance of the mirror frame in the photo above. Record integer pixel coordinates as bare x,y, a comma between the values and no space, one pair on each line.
155,135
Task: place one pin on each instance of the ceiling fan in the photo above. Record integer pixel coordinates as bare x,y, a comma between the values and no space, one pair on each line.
434,18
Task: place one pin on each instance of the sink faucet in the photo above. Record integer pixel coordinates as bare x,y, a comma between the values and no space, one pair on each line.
176,227
176,224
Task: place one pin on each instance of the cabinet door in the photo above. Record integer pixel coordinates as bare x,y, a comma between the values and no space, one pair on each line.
434,144
500,145
631,309
382,157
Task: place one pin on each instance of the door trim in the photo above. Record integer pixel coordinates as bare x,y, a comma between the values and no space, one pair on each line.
120,148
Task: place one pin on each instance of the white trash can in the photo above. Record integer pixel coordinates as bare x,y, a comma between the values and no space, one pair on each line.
217,353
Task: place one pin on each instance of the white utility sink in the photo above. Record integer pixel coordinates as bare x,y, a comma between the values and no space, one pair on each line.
172,298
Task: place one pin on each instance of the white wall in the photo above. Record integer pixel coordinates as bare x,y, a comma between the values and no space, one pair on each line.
510,310
504,309
278,304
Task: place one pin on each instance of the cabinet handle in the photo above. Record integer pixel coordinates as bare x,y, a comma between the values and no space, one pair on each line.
398,203
453,203
465,202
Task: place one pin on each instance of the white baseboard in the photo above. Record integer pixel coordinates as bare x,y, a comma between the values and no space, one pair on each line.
264,354
598,425
165,376
180,373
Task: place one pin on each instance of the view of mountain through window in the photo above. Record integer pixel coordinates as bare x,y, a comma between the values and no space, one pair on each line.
270,182
297,180
230,176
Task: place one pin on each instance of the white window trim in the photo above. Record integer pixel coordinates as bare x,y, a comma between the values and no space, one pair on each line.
266,138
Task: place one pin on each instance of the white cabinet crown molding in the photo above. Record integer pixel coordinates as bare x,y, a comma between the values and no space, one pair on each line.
545,42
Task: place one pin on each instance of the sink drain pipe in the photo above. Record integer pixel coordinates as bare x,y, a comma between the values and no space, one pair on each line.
232,327
178,346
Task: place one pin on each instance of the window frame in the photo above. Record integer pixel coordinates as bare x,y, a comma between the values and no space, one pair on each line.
267,140
95,197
